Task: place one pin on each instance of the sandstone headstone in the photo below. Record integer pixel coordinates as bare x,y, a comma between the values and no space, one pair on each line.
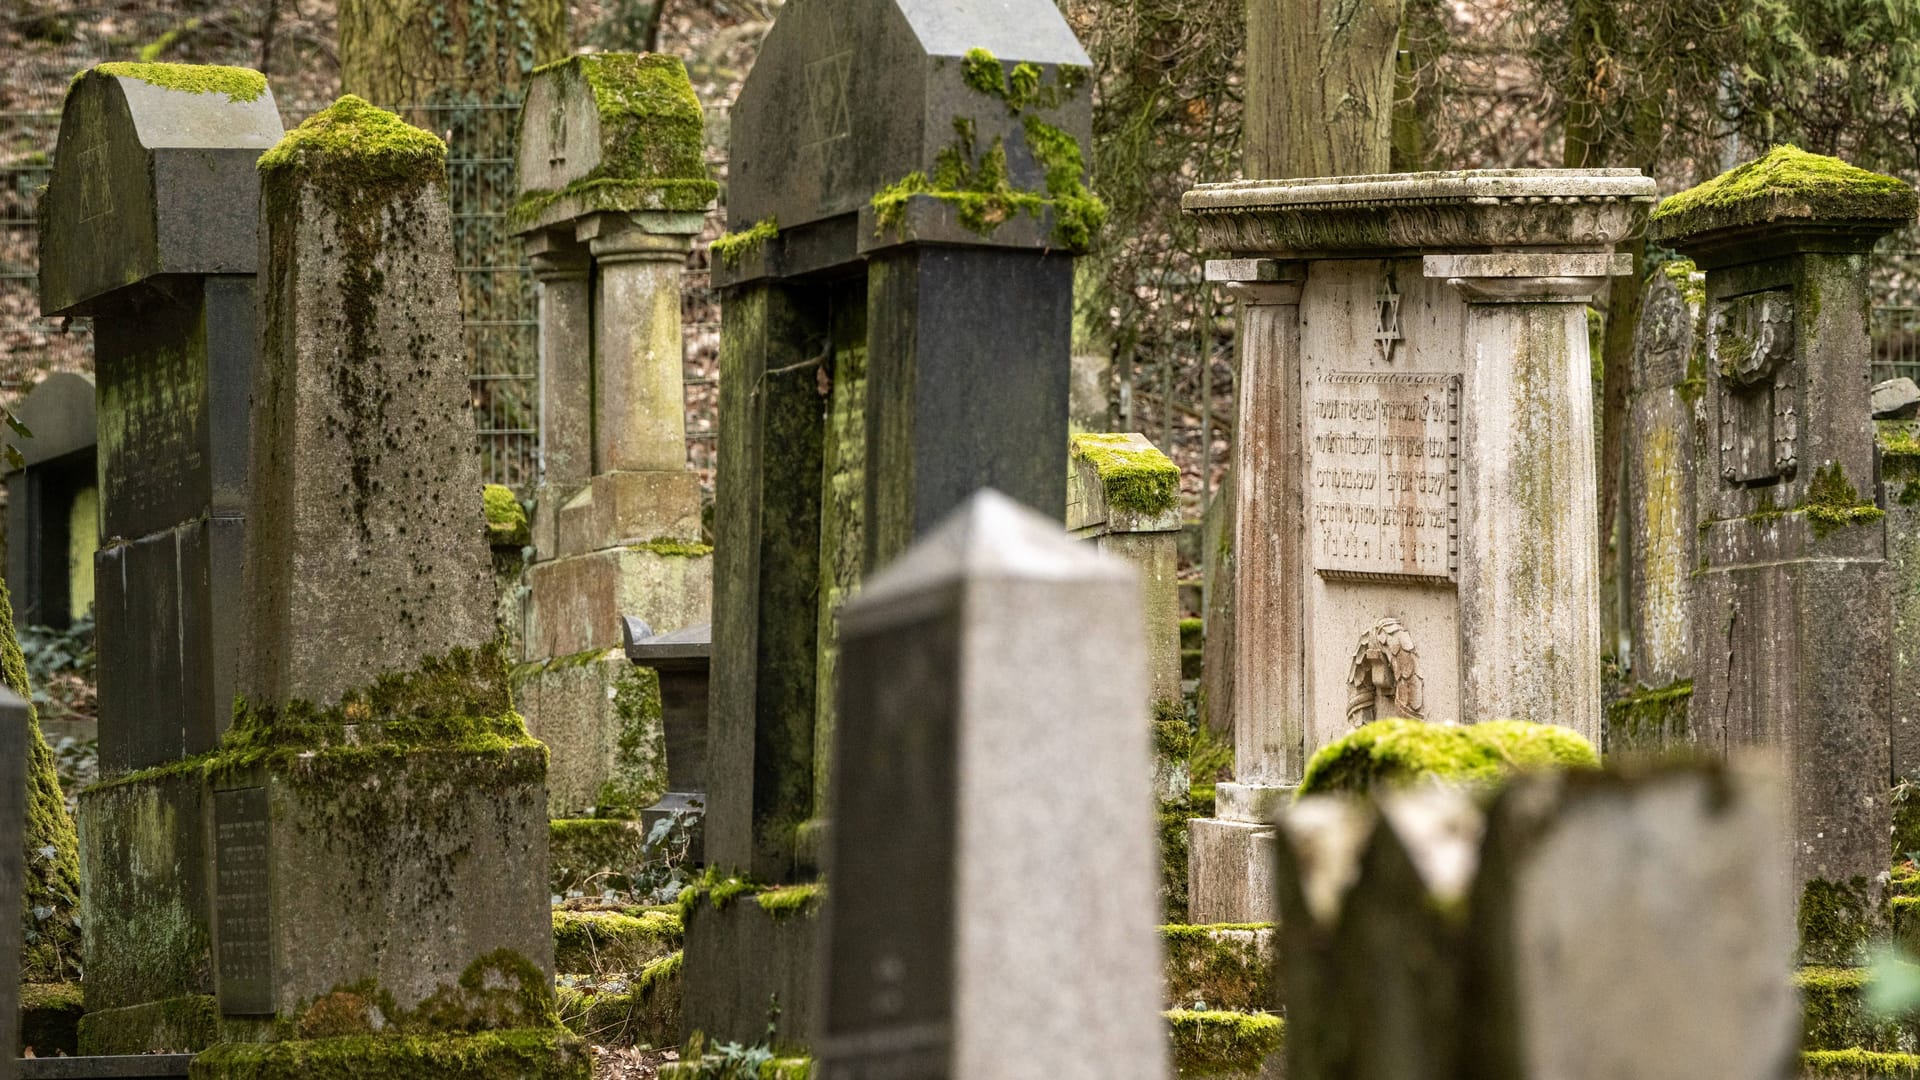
1413,467
149,225
921,161
1791,598
1896,399
993,633
13,824
1584,926
613,188
1661,528
53,503
379,837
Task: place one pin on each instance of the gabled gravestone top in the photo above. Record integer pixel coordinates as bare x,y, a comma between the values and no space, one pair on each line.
53,503
993,734
142,159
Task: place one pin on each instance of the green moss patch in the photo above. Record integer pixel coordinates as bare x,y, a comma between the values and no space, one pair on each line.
730,248
1856,1064
674,549
364,141
1836,920
1225,966
239,84
1193,633
50,1018
1834,503
643,1012
1685,277
1649,719
1835,1014
1898,438
786,901
50,901
602,943
1136,479
1787,183
506,518
1213,1043
1396,752
538,1054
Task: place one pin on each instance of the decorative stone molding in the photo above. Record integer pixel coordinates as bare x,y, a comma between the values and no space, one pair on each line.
1386,669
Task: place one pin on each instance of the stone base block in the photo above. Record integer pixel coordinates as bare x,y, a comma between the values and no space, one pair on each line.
600,718
1231,966
574,604
50,1018
177,1025
605,944
1228,1045
1231,868
588,851
148,935
1835,1015
530,1054
628,508
746,957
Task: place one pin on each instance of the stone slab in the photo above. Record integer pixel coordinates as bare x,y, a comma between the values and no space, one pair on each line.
144,856
602,730
1895,399
628,508
741,964
575,605
1230,871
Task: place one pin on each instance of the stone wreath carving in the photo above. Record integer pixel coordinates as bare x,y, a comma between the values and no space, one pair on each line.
1385,678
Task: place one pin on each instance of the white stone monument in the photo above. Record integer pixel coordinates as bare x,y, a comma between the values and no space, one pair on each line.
1415,457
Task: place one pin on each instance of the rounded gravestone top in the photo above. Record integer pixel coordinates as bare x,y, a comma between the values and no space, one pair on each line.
1785,187
59,414
353,142
611,132
1472,209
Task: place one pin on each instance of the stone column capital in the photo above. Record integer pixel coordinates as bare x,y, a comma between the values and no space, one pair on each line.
1569,277
561,264
1259,282
639,237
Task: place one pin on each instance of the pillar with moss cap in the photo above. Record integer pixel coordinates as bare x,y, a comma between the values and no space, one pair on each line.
613,188
379,836
1792,619
1413,468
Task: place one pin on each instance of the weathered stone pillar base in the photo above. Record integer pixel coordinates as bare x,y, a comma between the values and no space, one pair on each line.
600,718
527,1054
574,604
748,954
1230,871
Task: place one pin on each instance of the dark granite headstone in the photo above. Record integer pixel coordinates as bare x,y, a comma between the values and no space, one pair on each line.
681,658
13,821
150,226
993,735
242,919
53,501
968,119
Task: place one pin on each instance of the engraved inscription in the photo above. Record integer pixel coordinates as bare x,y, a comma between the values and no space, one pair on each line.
243,938
1383,482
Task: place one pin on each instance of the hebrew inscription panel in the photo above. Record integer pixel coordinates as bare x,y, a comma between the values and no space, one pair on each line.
242,925
1384,475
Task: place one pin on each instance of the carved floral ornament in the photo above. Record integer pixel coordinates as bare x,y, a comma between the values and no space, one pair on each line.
1385,679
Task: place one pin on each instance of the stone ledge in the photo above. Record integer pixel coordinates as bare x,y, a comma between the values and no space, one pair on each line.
603,943
527,1054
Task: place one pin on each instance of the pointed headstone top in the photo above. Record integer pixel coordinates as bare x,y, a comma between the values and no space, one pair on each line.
128,131
850,97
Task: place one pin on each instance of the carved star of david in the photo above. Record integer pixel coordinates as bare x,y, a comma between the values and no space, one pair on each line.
827,112
1386,331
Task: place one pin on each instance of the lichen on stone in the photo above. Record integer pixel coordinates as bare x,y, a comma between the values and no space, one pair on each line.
1135,479
50,901
1834,503
1647,717
1836,920
238,83
1786,183
1898,438
1395,752
506,518
679,549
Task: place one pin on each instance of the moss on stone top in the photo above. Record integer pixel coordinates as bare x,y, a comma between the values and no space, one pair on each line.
1135,478
238,83
1221,1043
1898,438
1834,503
652,138
1396,752
1685,277
1787,183
373,142
50,899
506,518
729,248
1858,1063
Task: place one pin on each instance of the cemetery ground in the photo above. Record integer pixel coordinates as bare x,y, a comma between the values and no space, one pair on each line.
836,694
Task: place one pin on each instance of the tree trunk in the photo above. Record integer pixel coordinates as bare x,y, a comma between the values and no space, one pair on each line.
413,52
1320,86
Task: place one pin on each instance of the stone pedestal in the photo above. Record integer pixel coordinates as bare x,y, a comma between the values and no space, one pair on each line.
610,202
892,343
1791,600
682,659
1413,462
942,959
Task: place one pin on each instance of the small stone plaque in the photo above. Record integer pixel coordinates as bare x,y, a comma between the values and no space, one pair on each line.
1384,476
243,938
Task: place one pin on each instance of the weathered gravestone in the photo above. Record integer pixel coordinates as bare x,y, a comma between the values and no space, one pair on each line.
1792,621
683,659
992,735
13,870
613,189
1583,926
1413,464
149,226
1657,549
379,834
1899,443
907,194
53,503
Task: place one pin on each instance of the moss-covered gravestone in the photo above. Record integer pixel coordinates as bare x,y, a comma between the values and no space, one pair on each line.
1791,603
379,830
15,732
1413,467
613,189
907,192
